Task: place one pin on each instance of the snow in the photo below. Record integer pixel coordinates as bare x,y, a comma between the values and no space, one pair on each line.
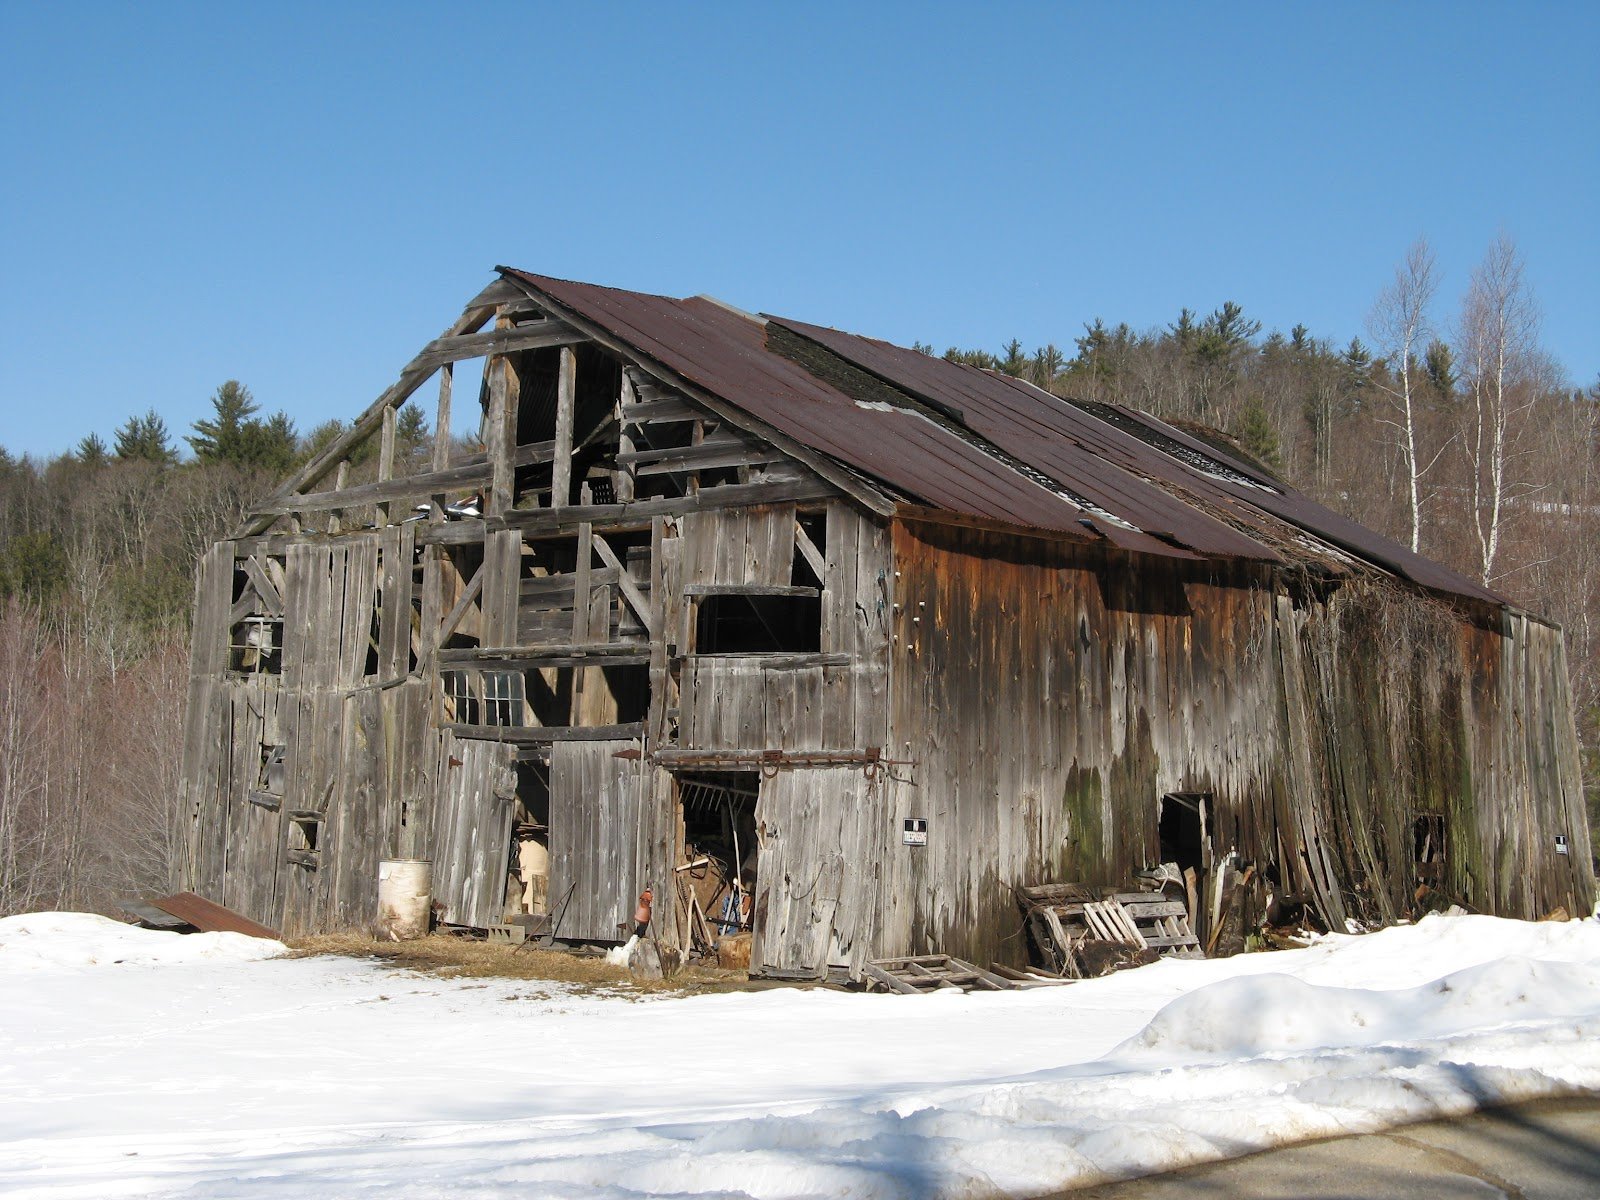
135,1063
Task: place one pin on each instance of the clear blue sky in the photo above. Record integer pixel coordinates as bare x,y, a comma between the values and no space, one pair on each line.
299,196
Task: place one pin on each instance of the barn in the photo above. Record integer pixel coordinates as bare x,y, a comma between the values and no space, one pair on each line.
843,643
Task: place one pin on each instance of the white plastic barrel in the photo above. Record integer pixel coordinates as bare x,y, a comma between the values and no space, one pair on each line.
405,897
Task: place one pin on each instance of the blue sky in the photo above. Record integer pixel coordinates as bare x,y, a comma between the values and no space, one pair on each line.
299,196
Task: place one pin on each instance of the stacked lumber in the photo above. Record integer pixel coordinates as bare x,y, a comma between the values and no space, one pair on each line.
929,972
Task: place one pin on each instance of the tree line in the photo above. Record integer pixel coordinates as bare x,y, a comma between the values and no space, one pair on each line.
1453,432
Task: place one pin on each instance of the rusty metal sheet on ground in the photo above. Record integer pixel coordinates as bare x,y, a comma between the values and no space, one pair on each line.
210,917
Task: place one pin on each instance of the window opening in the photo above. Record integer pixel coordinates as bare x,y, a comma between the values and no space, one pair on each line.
502,698
461,705
255,646
755,623
304,832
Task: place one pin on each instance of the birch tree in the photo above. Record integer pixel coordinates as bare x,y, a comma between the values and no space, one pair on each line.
1499,352
1399,324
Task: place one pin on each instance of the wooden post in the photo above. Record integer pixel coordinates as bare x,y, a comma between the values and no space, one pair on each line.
561,480
622,477
502,431
340,479
580,588
386,460
441,422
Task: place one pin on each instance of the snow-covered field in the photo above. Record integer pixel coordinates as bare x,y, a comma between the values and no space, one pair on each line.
136,1063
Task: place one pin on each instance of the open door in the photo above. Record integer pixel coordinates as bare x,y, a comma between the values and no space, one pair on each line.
595,876
472,849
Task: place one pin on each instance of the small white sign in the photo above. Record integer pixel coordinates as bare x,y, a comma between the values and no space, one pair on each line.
916,832
1561,844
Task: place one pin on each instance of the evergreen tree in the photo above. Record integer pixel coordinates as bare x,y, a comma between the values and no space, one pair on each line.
1440,365
222,437
1013,361
145,439
1257,435
92,452
410,432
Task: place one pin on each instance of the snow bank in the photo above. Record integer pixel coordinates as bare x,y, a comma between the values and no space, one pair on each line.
46,941
325,1076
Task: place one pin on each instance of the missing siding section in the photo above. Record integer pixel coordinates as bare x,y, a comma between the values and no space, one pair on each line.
1427,835
737,622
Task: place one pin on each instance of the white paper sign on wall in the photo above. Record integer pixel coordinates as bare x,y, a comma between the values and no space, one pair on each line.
1561,844
916,831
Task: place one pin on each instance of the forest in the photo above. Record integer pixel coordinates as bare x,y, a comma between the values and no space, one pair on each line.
1444,424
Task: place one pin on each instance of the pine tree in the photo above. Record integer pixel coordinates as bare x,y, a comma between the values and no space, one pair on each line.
92,452
145,439
1013,361
221,438
1257,435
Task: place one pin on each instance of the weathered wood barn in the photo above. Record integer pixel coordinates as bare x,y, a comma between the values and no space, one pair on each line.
877,636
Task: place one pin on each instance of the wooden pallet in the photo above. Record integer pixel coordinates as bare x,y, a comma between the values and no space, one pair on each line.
1062,917
929,972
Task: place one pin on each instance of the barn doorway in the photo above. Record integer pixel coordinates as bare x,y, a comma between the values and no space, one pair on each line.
1184,832
720,851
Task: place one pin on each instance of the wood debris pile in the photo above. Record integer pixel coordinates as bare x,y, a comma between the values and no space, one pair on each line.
1079,932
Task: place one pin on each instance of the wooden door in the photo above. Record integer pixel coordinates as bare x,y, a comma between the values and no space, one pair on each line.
595,873
472,837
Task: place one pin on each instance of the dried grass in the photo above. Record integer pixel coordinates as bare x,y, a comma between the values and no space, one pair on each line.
453,957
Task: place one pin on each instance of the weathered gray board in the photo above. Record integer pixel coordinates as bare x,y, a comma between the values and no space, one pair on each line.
595,845
473,835
1050,697
823,838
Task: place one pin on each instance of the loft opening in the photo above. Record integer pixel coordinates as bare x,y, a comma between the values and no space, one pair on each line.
756,620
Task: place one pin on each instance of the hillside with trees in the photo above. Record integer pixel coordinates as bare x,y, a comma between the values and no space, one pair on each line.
1446,427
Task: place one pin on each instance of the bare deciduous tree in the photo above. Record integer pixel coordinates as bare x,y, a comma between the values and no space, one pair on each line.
1399,324
1499,351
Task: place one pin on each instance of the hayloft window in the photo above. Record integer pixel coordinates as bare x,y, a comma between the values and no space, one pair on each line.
756,620
255,635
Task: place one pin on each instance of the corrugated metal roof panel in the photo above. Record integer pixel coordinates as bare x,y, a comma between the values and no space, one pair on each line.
981,443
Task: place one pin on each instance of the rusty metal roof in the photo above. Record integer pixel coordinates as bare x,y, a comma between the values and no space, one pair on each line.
949,436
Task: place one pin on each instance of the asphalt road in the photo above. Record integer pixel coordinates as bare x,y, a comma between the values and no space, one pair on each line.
1547,1150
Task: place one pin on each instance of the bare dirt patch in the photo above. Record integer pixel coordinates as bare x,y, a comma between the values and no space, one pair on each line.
454,957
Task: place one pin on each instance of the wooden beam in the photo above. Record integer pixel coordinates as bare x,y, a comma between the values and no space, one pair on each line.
453,618
566,389
441,419
808,551
843,479
386,455
504,340
622,477
580,584
749,589
636,599
536,735
620,517
264,585
412,376
501,435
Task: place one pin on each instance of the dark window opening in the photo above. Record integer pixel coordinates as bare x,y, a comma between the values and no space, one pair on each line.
460,705
719,836
1427,837
815,529
255,646
747,623
502,698
304,832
